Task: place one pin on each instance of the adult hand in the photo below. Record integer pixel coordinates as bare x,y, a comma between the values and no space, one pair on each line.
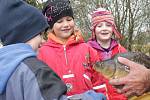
136,82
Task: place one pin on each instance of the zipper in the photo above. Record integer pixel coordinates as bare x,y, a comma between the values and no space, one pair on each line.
65,53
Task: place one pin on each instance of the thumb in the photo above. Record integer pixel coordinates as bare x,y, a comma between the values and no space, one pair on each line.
129,63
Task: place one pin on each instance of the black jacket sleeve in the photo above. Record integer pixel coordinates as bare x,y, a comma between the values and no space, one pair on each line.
51,86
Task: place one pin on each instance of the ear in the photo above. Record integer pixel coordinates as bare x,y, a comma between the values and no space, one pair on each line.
1,44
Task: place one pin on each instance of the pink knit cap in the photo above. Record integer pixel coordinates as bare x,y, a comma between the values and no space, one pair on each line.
100,15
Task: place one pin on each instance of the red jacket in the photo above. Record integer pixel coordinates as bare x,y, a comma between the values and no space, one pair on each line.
73,63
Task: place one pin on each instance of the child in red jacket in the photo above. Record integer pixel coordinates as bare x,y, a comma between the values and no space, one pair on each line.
103,28
67,54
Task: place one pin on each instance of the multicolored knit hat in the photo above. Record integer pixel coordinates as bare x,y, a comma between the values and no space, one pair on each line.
56,9
100,15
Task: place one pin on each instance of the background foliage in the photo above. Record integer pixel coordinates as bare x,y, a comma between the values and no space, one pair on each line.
131,16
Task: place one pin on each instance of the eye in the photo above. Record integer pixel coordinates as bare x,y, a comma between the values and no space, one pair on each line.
108,24
69,18
99,25
60,21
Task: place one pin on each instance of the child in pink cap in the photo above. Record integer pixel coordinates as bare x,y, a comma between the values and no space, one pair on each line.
103,29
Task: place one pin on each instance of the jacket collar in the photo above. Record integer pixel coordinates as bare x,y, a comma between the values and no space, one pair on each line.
75,38
97,46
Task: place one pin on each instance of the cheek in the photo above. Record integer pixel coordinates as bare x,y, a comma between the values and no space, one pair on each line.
56,27
110,33
110,29
56,31
97,30
72,24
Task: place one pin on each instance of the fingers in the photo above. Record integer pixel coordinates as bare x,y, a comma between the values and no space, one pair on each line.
130,93
119,81
127,91
125,88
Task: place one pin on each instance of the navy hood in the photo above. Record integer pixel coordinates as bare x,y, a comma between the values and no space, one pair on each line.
10,57
20,22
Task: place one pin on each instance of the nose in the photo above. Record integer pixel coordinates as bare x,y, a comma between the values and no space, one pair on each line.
66,23
104,26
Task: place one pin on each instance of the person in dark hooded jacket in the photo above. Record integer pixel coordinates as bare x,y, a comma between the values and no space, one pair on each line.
22,75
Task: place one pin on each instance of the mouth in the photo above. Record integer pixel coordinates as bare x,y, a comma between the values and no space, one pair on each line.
66,30
104,33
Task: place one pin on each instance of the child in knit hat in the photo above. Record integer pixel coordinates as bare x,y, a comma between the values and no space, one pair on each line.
22,75
69,56
103,29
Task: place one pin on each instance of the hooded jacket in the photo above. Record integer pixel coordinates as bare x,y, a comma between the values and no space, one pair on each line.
114,48
24,77
72,61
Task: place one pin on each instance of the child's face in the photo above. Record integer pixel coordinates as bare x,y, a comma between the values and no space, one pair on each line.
103,31
36,42
64,27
